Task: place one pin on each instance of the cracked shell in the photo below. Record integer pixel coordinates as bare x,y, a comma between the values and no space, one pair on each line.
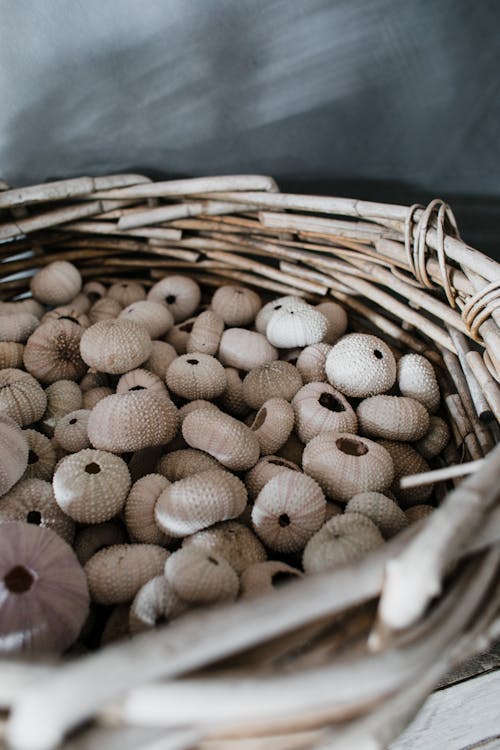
341,541
115,346
320,408
361,365
392,418
231,442
115,574
200,577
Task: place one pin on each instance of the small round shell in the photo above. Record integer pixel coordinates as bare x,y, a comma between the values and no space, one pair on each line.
94,290
201,577
91,486
265,470
115,574
41,456
273,380
302,327
197,404
199,501
80,303
417,512
392,418
141,380
115,346
231,442
417,379
71,431
29,305
18,327
233,541
232,400
93,379
206,333
245,350
52,352
185,463
320,408
288,511
178,336
265,577
11,354
126,292
272,425
341,541
56,284
63,397
345,464
407,461
162,355
65,312
361,365
94,395
337,320
156,318
180,294
91,539
194,376
236,305
21,397
380,509
154,604
311,362
139,509
435,439
33,501
290,302
104,309
14,450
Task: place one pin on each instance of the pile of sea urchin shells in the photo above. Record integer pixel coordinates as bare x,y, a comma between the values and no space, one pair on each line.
161,451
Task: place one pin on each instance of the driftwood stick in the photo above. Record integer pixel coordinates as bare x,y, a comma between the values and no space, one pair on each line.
488,385
479,400
106,227
440,475
48,219
460,420
195,186
161,214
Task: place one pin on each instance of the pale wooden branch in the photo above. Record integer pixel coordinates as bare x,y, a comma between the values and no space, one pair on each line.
440,475
195,186
488,385
64,189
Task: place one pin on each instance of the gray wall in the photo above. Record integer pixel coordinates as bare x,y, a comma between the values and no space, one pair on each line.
385,98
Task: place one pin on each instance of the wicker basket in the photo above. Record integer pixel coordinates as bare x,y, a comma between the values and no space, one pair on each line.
340,660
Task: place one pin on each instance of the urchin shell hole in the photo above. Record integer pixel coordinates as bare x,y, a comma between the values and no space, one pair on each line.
284,520
137,388
170,299
73,421
351,447
378,354
34,517
192,361
259,419
18,580
281,462
281,577
32,457
187,326
69,317
93,468
212,560
331,402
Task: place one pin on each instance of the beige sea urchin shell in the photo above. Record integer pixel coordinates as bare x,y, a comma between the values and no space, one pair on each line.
56,284
265,470
178,336
115,574
264,577
435,439
344,465
273,424
245,350
21,397
197,404
341,541
11,354
232,400
194,376
185,463
126,292
80,303
139,511
131,421
71,431
104,309
417,379
236,305
94,395
206,333
93,379
115,346
94,290
63,397
201,577
384,512
52,352
91,486
14,450
392,418
179,293
154,604
233,541
28,305
155,317
301,327
91,539
65,312
162,354
320,408
288,511
407,461
311,363
41,456
337,320
361,365
139,380
290,302
231,442
273,380
17,328
199,501
33,501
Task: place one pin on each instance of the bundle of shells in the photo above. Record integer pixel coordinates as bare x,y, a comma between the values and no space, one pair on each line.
234,431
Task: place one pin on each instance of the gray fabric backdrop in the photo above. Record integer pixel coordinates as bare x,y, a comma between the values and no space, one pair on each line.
375,98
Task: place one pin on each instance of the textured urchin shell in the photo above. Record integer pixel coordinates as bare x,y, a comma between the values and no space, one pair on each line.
341,541
91,539
311,362
155,603
71,431
196,405
232,400
155,317
185,463
93,379
41,456
345,464
94,395
115,346
138,380
63,397
265,470
115,574
43,591
11,354
66,312
380,509
417,379
273,380
407,461
104,309
392,418
180,294
94,290
52,352
91,486
162,355
206,333
194,376
199,501
18,327
245,350
231,442
178,336
290,302
435,440
301,327
264,577
201,577
33,501
21,397
417,512
29,305
288,511
139,511
131,421
14,451
126,292
272,425
80,303
236,305
320,408
56,284
361,365
233,541
337,320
